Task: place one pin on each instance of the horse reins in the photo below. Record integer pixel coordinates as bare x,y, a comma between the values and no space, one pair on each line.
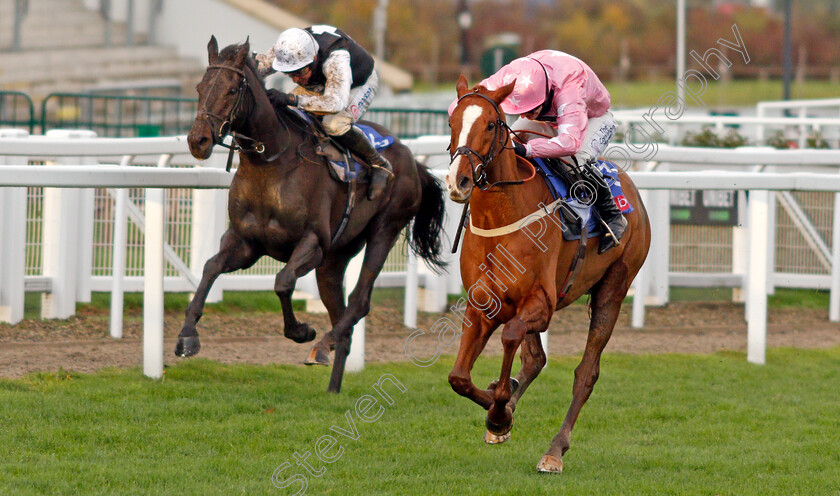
480,170
226,122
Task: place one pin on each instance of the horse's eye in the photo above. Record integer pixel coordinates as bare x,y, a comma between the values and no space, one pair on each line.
491,126
233,91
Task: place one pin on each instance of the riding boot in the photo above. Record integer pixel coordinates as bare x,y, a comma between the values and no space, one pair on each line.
612,221
380,168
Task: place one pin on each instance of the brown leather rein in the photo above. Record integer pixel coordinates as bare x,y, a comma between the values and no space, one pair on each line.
224,128
501,139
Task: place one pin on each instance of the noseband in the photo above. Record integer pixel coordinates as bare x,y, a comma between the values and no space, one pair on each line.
225,123
499,143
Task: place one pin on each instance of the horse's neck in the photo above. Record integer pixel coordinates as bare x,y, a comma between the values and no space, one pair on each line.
502,205
263,126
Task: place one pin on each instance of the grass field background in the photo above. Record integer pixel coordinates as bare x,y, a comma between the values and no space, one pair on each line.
665,424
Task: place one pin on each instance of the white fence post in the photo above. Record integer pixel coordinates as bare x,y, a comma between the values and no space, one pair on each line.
153,270
356,357
453,216
641,282
410,307
659,268
86,215
12,240
834,295
740,247
757,286
771,243
64,232
118,261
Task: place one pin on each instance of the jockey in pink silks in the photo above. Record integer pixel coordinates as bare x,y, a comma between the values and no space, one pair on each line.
558,96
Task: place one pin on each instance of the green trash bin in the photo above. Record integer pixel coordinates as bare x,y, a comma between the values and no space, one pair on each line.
148,130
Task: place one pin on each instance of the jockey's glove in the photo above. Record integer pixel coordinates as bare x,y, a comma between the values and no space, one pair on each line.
278,98
520,149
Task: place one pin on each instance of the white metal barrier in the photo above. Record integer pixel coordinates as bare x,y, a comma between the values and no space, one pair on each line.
652,123
81,177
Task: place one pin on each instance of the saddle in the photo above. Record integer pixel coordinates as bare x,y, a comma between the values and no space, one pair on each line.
576,203
343,165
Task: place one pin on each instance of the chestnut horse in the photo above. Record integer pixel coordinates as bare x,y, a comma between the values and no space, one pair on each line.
525,276
283,203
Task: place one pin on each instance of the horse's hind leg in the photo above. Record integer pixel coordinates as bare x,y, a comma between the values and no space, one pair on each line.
305,257
606,303
533,360
235,254
379,243
330,278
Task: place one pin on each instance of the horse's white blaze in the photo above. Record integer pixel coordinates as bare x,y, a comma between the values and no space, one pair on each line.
468,119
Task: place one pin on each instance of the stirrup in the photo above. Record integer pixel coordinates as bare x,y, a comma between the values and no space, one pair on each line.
608,237
379,167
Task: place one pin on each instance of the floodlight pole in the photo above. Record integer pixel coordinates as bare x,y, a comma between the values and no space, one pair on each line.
680,49
787,56
380,21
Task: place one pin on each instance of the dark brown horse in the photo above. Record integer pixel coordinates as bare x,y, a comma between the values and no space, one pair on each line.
284,204
521,266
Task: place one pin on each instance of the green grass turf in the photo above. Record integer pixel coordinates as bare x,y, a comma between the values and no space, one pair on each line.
266,301
664,424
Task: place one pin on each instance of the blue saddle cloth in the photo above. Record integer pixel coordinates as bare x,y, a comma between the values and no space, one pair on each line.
559,189
343,171
379,142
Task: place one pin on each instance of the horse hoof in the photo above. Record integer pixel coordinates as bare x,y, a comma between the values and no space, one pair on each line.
500,430
301,333
187,346
318,356
491,438
550,465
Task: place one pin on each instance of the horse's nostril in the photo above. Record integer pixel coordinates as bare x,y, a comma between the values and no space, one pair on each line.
463,183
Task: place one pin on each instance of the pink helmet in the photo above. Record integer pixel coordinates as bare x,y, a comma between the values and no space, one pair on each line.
531,87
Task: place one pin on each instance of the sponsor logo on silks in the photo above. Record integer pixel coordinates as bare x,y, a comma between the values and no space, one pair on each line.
621,202
378,144
354,111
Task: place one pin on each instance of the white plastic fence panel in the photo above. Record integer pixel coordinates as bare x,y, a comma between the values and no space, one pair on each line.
356,357
12,240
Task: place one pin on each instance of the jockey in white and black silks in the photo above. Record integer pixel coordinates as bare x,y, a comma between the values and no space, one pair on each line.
559,96
336,79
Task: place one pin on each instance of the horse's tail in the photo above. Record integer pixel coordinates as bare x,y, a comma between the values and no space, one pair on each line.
426,238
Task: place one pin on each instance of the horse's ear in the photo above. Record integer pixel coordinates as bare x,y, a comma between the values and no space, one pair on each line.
462,86
499,94
243,53
212,50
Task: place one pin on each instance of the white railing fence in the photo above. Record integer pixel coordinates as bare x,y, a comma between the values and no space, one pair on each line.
797,120
68,204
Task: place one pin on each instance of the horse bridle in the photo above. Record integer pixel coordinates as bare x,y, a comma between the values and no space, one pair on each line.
226,122
500,141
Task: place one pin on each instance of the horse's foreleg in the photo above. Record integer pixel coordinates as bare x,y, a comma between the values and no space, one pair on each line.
330,278
475,333
606,303
378,246
533,315
235,254
305,257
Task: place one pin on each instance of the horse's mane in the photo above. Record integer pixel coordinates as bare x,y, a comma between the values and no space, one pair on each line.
284,113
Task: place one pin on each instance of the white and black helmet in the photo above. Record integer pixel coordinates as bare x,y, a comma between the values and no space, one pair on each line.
295,49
